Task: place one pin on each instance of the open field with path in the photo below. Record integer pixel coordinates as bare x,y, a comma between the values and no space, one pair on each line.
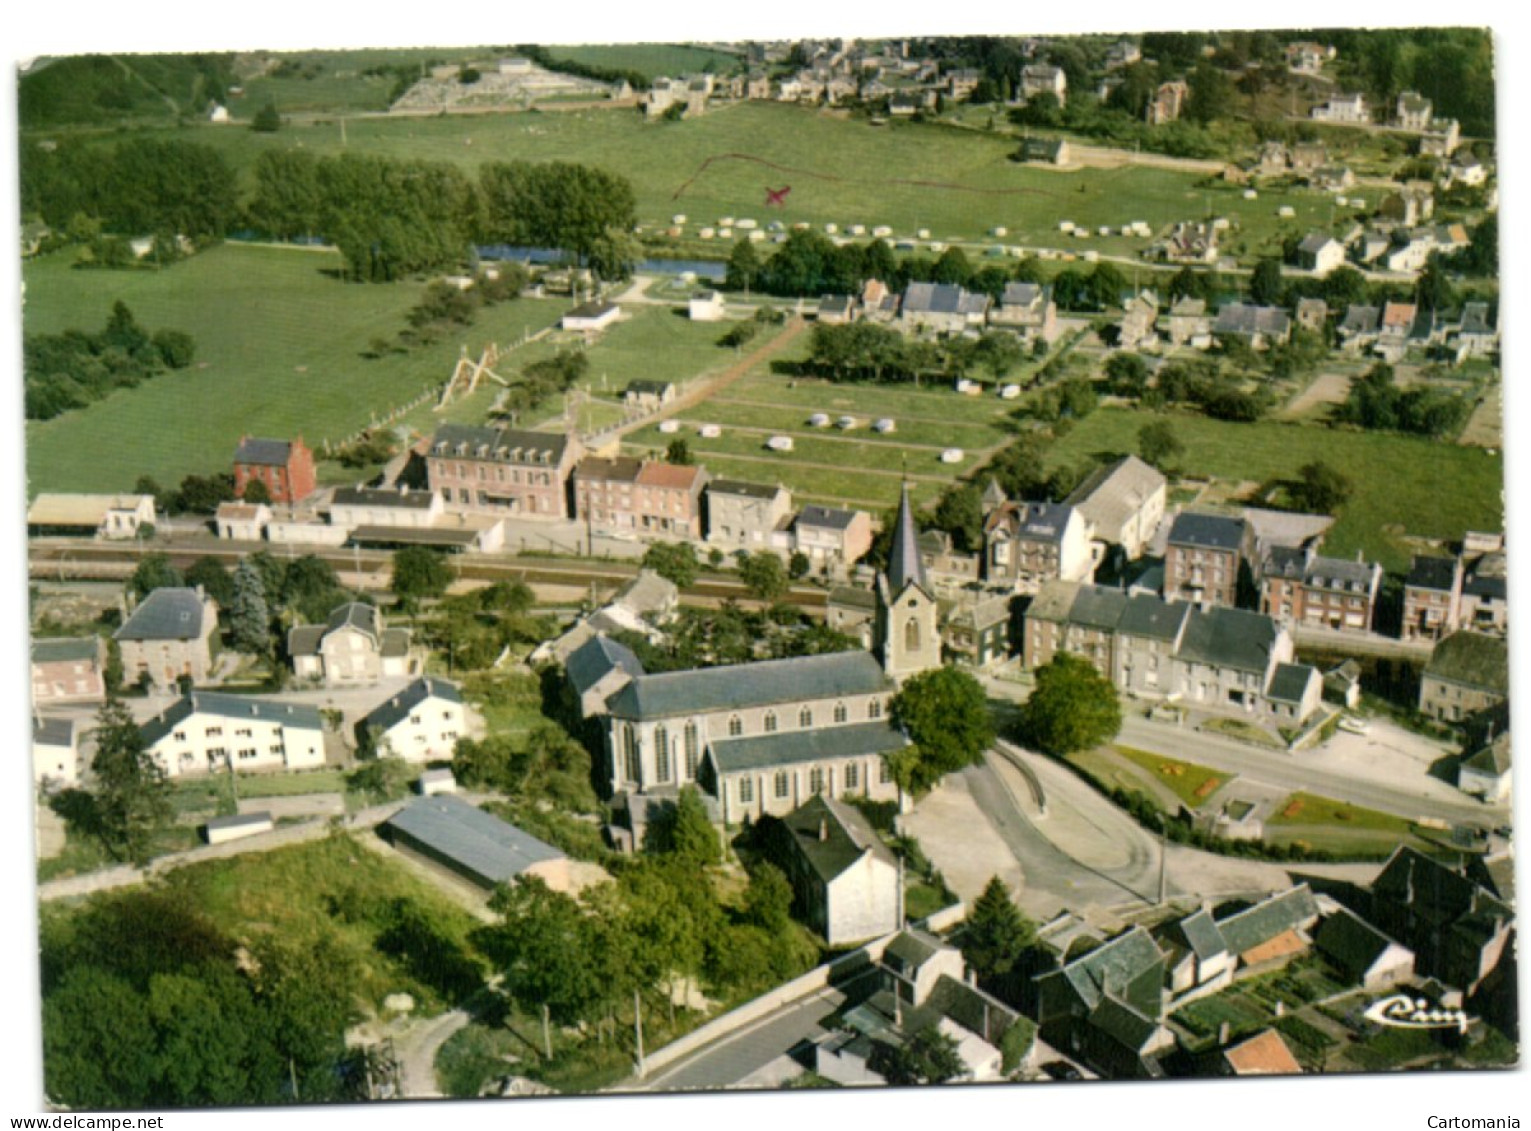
1403,485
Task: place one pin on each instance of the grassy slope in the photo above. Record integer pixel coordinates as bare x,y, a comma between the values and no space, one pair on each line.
955,182
278,347
1403,485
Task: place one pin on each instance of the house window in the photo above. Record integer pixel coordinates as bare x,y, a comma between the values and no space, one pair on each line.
693,754
816,780
735,726
841,714
213,732
746,791
884,772
632,765
874,709
180,736
912,635
783,783
661,754
805,717
852,776
770,722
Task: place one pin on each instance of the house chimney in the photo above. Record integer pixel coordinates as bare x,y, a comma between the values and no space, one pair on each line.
1223,1031
823,828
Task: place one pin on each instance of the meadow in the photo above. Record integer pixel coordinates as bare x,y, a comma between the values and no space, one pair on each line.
279,353
958,183
1404,487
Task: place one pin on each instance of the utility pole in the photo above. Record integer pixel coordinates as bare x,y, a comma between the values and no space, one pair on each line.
638,1028
1163,854
547,1038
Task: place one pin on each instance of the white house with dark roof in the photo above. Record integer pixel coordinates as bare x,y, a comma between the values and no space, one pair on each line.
352,647
1486,772
1366,956
397,507
760,737
1258,326
1029,543
846,882
832,536
55,752
243,522
942,307
1122,503
204,731
421,723
590,317
169,635
748,516
1320,253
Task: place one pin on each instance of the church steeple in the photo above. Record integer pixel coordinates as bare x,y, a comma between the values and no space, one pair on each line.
904,564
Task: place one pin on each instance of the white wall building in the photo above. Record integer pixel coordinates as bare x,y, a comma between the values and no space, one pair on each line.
206,731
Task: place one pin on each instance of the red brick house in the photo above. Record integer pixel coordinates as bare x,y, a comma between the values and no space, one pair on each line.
644,497
286,467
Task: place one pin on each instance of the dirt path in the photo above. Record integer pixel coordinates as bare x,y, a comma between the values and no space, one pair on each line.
1326,388
417,1051
1485,427
704,387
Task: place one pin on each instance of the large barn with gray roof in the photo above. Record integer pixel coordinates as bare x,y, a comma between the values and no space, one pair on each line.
474,845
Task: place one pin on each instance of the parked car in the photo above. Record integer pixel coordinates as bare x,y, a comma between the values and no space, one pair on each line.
1355,725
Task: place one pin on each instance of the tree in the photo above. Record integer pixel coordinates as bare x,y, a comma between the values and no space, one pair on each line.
1126,374
201,494
684,831
945,715
996,932
266,120
743,267
154,571
214,578
928,1057
674,561
763,575
1320,489
1159,445
960,514
250,616
176,349
1211,94
799,565
1433,291
679,452
1072,707
420,574
256,492
132,796
547,943
1265,284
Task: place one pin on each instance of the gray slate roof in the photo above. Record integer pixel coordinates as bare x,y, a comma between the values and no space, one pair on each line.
270,453
1361,319
828,518
831,836
1438,574
1097,606
1112,967
1112,494
238,821
166,614
905,565
73,650
597,657
52,732
942,298
1350,943
396,708
1202,936
911,948
1472,659
404,499
787,748
479,442
1242,318
741,487
795,679
1207,531
1229,638
1148,616
1264,921
222,705
481,843
1289,683
852,597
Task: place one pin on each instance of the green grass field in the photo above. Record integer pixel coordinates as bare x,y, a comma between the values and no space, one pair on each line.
652,59
1403,485
908,176
279,346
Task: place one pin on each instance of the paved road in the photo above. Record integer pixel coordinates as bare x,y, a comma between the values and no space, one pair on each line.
746,1052
417,1051
1417,795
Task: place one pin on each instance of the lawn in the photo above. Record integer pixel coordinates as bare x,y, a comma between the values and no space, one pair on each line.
1191,783
1346,830
1403,485
906,175
279,344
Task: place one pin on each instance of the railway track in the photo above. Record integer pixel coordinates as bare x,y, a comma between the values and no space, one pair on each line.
69,560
